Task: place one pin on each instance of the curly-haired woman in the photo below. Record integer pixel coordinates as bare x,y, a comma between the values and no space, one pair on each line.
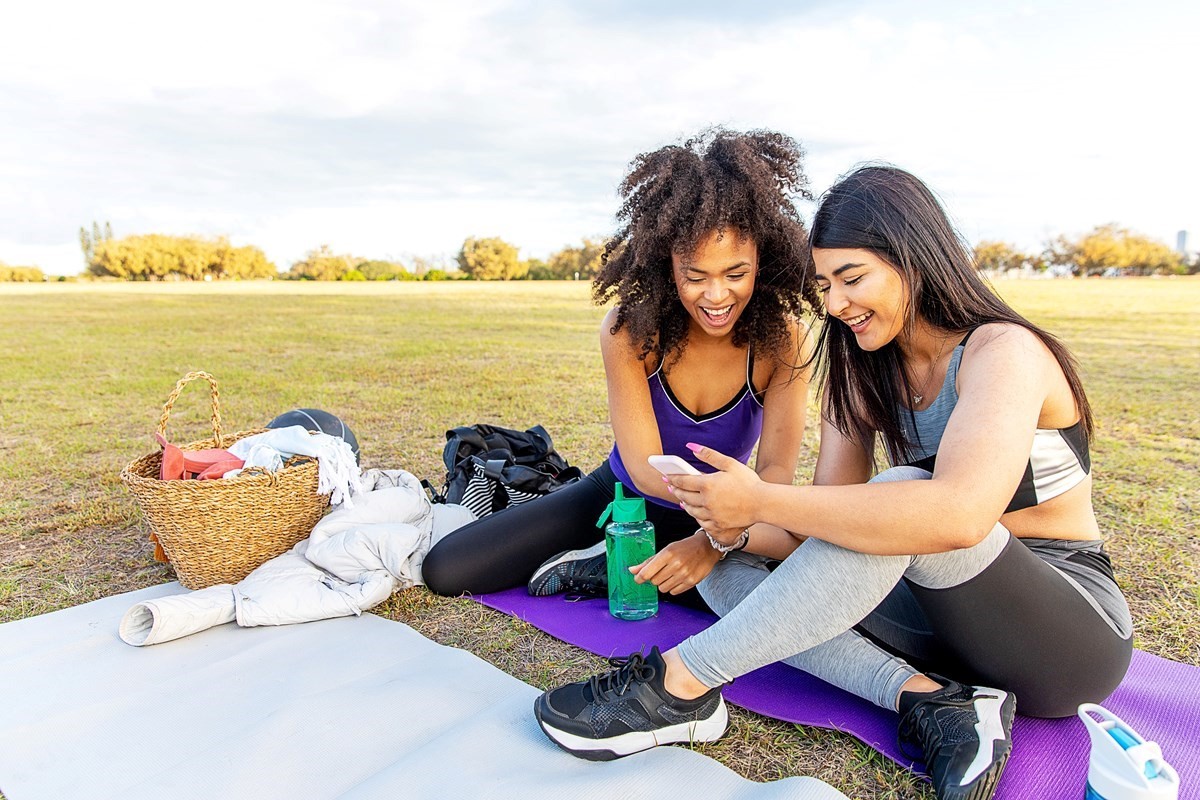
976,556
704,345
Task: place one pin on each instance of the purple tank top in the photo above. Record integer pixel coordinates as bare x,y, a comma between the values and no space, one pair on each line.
733,429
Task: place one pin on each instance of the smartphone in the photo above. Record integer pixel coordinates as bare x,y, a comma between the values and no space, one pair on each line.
672,465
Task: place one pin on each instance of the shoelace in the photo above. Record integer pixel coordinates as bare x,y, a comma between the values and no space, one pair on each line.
584,589
913,726
591,583
923,729
611,685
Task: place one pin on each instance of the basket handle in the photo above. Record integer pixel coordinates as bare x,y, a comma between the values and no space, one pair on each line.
213,393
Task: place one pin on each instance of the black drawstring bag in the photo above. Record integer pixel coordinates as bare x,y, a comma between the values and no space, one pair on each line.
489,468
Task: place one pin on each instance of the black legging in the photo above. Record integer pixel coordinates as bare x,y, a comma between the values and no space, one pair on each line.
1017,625
502,550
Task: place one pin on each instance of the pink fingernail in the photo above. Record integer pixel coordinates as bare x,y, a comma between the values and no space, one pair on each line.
695,448
670,488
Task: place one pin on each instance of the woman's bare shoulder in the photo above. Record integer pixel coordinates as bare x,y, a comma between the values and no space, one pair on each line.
1005,340
620,343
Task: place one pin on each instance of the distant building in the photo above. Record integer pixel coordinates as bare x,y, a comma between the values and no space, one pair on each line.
1181,243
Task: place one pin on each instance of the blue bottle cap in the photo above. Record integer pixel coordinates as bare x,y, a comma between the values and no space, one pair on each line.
1123,765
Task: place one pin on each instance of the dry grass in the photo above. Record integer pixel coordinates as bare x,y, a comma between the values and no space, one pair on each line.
86,369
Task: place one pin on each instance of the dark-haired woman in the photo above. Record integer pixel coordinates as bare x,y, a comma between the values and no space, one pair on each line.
969,574
704,345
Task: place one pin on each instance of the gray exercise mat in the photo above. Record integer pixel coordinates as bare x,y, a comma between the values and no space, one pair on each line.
358,707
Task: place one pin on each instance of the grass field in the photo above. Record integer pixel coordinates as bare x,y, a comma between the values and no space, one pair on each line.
85,369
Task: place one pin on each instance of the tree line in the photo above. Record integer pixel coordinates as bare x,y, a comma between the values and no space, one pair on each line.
20,274
156,257
1107,249
479,259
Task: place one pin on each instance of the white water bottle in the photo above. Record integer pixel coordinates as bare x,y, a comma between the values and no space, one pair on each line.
1123,765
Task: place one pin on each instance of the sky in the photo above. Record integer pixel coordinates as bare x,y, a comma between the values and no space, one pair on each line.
391,129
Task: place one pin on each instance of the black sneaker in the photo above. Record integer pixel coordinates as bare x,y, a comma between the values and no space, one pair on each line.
626,711
964,734
583,572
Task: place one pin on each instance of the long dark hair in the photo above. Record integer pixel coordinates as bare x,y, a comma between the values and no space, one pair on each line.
675,196
892,214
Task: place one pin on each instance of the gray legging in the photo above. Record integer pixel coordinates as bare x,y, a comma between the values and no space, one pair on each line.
993,614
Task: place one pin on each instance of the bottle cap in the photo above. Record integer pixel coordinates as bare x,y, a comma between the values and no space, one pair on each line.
1123,765
623,509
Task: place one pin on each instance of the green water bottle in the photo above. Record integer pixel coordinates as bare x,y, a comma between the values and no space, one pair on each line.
629,540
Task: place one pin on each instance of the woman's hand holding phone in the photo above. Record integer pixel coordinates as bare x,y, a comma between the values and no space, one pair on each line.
721,501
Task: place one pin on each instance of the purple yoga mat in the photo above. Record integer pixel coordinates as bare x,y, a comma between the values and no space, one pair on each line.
1158,698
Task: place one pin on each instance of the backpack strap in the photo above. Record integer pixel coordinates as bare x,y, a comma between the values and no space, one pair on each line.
456,439
544,435
494,468
434,495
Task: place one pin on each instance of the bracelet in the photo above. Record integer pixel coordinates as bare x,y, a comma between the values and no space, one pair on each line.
743,540
740,543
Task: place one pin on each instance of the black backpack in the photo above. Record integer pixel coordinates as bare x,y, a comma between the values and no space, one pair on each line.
489,468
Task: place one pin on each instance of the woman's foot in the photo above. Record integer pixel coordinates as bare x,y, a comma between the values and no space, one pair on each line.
626,711
965,735
580,571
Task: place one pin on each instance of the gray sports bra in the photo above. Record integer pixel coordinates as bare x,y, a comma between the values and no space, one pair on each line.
1058,461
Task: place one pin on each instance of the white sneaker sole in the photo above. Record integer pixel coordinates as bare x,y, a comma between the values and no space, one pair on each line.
705,730
561,558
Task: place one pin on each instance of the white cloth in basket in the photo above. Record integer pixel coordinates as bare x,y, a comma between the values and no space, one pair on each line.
338,474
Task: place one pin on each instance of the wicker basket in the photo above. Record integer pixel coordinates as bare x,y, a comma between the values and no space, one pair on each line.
219,531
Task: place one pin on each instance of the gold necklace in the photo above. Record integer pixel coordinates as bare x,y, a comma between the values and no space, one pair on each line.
917,398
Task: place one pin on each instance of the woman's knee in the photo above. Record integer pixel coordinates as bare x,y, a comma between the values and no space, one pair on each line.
1050,706
433,575
731,580
442,572
1058,693
956,567
1057,704
903,473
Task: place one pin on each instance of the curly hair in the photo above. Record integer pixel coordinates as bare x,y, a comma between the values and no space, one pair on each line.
676,196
